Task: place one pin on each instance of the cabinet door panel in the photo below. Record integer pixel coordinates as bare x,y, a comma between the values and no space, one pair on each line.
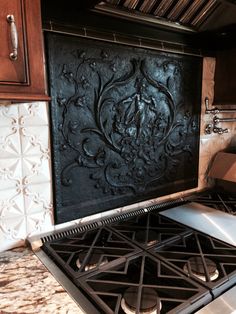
12,71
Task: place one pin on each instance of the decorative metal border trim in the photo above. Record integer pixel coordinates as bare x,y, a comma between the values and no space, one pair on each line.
135,41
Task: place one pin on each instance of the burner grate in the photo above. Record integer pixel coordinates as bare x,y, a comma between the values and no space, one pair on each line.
87,251
209,261
175,292
144,253
149,229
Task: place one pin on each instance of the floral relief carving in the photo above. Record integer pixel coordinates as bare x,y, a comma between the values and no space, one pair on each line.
131,128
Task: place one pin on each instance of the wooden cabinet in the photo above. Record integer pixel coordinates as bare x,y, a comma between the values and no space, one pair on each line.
225,77
22,70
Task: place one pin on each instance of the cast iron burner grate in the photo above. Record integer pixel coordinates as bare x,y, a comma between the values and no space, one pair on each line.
218,200
86,251
149,229
175,293
104,263
202,258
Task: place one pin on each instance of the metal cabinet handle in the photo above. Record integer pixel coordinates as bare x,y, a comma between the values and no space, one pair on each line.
14,37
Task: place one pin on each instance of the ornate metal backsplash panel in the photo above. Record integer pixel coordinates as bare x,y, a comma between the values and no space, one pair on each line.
125,124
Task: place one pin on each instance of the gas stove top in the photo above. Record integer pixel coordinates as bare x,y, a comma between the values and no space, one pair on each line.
143,263
118,270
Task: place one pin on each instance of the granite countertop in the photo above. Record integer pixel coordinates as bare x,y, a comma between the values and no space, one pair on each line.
26,286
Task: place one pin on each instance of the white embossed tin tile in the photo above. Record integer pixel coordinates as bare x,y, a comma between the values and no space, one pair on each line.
36,169
11,203
33,114
35,140
10,172
25,177
10,146
8,115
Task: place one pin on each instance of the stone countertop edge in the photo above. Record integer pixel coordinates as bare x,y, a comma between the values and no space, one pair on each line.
26,286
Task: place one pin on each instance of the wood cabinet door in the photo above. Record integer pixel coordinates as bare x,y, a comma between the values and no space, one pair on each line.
22,79
12,71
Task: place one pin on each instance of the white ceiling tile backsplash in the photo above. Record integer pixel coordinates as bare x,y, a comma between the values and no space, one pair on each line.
35,140
8,115
25,172
32,114
10,145
36,169
14,228
41,193
11,203
38,222
10,172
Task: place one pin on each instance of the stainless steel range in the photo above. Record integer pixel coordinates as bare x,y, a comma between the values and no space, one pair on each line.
142,262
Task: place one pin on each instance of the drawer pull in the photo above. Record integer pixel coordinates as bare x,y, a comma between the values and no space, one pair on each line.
14,37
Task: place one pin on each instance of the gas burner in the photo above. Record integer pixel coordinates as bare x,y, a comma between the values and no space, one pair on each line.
197,268
149,304
93,260
144,238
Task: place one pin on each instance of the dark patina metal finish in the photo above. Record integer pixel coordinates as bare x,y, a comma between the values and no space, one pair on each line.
125,124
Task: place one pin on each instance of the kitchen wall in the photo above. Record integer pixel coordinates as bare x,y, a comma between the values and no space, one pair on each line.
26,205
